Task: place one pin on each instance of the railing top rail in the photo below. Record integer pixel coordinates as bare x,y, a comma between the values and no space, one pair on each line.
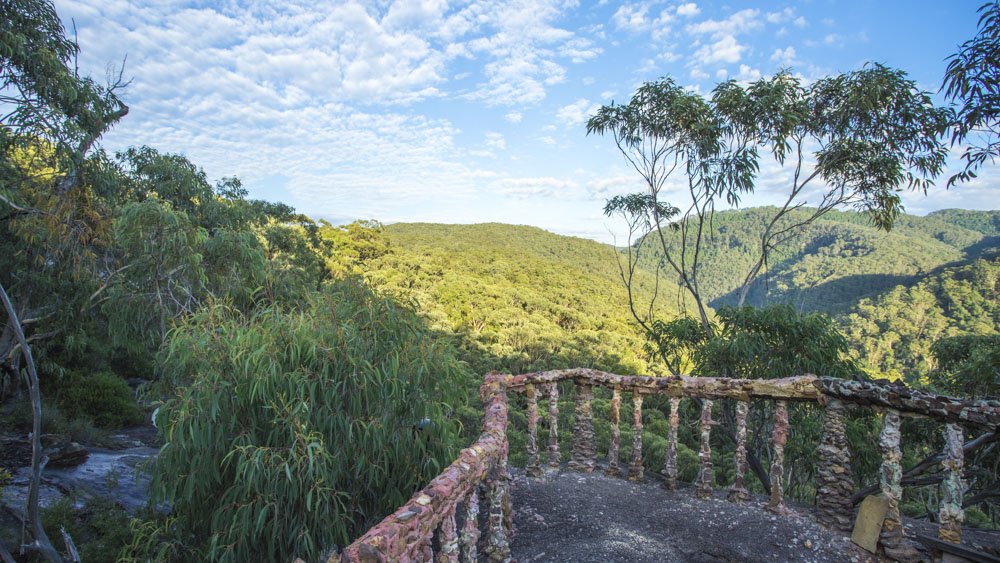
799,388
400,535
808,387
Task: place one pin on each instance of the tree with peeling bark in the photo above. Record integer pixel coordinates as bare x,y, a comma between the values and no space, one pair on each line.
49,210
853,140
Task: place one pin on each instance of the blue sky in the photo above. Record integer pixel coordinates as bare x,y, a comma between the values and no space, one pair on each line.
469,112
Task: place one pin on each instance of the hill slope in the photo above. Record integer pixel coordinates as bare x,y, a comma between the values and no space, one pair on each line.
518,298
840,259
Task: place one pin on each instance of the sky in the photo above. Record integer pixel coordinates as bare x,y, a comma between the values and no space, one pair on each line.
436,111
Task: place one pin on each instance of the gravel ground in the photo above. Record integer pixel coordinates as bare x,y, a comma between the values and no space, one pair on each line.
590,517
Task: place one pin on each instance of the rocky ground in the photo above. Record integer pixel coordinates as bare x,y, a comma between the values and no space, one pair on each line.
589,517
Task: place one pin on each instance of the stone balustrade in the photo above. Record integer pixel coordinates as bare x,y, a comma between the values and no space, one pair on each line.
408,534
481,469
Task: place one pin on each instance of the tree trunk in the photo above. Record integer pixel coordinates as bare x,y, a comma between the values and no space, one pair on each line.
41,543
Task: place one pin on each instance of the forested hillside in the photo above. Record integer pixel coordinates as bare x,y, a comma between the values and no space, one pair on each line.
518,298
894,333
840,259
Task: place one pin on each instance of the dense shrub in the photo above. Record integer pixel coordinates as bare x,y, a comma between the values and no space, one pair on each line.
289,433
102,397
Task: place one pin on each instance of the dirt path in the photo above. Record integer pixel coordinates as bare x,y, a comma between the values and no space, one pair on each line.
580,517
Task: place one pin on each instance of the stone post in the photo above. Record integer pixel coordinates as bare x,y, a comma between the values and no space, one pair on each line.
498,546
584,451
554,457
448,539
952,488
778,438
635,469
470,528
738,492
613,469
532,469
834,484
703,487
670,459
894,544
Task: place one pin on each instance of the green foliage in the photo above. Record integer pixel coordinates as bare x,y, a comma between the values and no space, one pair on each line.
102,397
969,365
839,260
773,342
99,528
290,432
894,332
516,299
971,79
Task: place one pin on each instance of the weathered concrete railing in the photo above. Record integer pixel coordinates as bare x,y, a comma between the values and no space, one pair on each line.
408,534
834,484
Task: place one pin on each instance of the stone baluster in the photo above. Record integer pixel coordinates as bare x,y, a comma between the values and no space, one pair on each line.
703,487
834,484
670,459
448,539
613,469
497,545
470,528
532,469
894,544
584,451
778,438
426,550
554,456
952,487
738,492
635,469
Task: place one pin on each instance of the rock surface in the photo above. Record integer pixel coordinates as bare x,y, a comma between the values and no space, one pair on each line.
590,517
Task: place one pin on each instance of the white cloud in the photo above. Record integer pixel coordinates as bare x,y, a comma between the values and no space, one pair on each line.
739,22
632,17
689,9
721,74
748,74
637,18
614,185
523,188
829,40
726,49
513,117
784,56
578,112
495,140
698,74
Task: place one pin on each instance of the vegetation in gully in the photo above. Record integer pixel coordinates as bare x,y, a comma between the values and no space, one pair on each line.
305,378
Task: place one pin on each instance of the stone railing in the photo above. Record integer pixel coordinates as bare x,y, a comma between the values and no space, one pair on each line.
429,518
834,486
481,469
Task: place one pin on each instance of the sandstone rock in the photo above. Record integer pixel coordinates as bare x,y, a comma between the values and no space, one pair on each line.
868,526
69,456
53,441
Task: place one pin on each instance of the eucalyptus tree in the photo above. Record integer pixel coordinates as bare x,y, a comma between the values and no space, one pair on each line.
973,79
852,140
51,214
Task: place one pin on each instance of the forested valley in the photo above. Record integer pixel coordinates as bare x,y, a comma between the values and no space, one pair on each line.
305,378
